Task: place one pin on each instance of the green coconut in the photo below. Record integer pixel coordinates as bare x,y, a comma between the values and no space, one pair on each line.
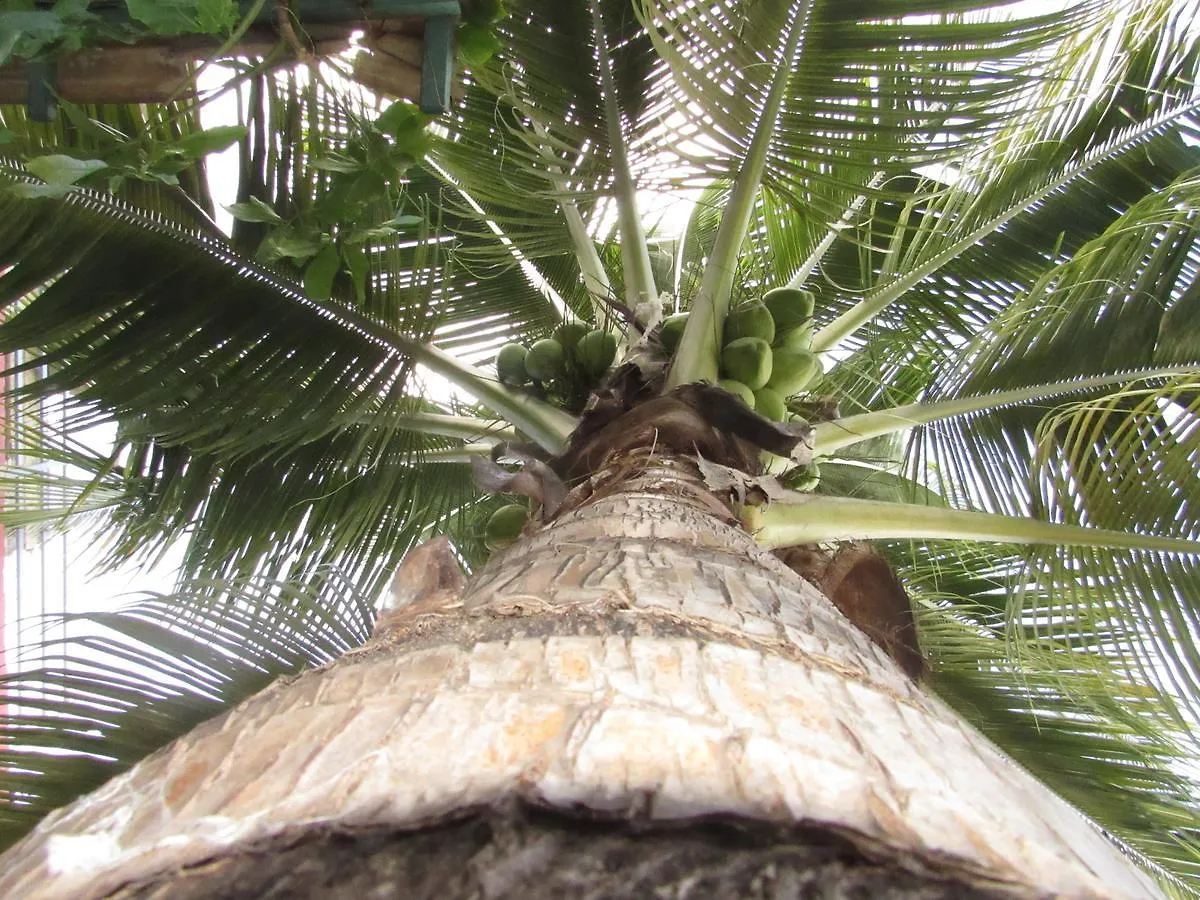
747,360
672,331
510,365
751,320
789,307
737,389
569,333
504,526
769,404
793,370
546,360
798,338
596,351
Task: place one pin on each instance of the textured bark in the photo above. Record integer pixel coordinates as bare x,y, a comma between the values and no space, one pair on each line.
864,588
639,659
536,856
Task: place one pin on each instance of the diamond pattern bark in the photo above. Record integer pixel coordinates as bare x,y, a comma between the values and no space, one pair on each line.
639,658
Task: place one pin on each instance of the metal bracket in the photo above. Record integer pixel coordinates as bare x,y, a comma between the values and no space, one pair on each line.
437,64
41,102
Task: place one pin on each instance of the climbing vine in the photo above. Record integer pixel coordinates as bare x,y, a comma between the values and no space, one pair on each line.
29,31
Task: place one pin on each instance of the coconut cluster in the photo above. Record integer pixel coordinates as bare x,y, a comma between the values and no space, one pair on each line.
563,368
766,358
766,354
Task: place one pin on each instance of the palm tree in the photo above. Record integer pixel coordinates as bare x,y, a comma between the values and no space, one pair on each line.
653,684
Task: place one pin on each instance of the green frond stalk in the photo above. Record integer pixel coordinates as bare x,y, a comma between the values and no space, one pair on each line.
829,437
488,431
880,299
808,518
595,277
546,424
591,268
463,454
696,358
635,254
802,274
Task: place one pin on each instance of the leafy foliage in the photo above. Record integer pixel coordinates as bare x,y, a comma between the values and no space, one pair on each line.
981,204
82,708
171,17
31,30
151,156
1045,712
192,448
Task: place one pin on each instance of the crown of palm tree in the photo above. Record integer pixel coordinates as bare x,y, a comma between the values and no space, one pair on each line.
998,218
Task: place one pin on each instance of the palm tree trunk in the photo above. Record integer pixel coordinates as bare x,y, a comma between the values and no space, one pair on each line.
634,688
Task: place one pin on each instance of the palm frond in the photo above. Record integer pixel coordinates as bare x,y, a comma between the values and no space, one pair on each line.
254,388
869,89
1074,719
153,159
91,240
531,144
82,708
1126,462
829,437
962,216
359,498
328,165
1093,97
1104,308
1079,715
699,347
1122,460
799,518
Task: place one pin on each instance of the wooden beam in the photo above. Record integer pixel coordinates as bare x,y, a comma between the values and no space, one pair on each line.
136,74
155,71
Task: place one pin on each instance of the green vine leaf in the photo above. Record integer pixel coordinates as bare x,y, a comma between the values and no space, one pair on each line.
401,118
211,140
477,44
318,277
336,163
254,210
59,169
285,243
170,17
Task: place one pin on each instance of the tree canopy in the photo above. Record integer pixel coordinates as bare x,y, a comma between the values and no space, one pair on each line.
995,211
